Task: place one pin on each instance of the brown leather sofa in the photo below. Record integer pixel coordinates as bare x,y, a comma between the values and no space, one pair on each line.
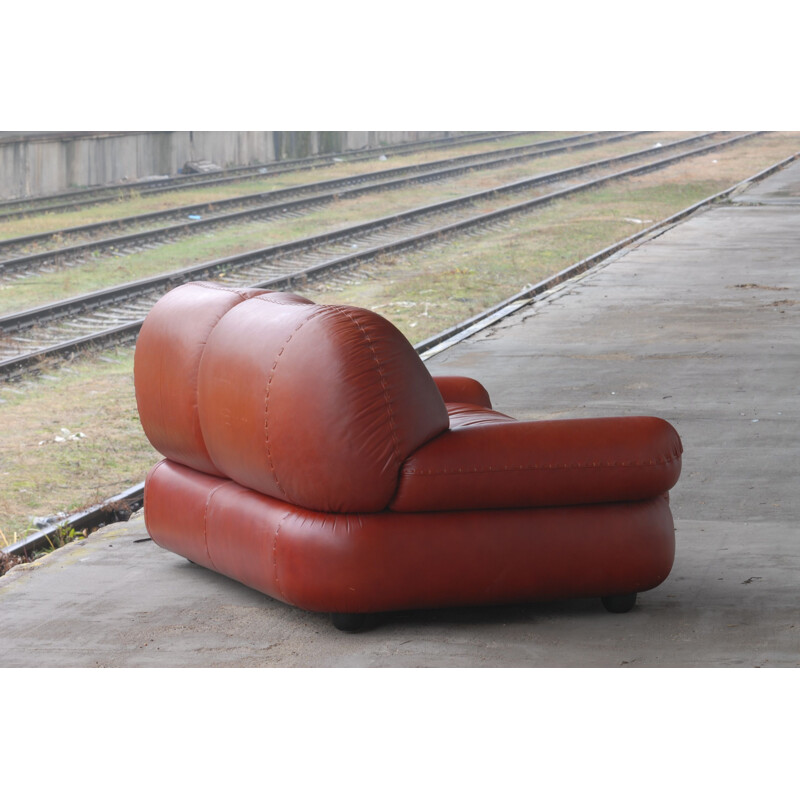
310,455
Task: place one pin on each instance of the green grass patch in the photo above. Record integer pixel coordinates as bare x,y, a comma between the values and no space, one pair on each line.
426,291
136,203
70,439
422,292
111,270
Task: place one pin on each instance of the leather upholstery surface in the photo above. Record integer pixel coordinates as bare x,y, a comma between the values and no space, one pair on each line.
166,364
552,462
377,562
459,389
315,405
311,455
463,415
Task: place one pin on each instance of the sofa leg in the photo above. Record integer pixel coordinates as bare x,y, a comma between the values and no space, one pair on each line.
619,603
352,622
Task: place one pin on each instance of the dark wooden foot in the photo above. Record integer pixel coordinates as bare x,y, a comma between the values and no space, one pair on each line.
352,622
619,603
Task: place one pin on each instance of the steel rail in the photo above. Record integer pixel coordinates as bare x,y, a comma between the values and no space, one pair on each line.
204,182
263,204
155,287
115,509
105,297
93,517
99,194
426,171
447,338
213,182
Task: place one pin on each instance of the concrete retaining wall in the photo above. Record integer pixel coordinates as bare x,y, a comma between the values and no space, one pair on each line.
40,163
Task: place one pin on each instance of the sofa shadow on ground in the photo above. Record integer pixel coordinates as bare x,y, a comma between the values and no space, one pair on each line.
309,454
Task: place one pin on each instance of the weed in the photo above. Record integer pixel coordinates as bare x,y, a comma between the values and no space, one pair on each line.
8,561
107,269
62,535
422,292
133,202
90,395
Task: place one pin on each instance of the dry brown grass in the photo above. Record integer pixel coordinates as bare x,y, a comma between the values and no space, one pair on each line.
240,238
422,292
70,439
142,204
7,562
427,291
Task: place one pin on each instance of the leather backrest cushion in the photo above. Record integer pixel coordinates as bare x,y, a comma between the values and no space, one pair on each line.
166,362
316,405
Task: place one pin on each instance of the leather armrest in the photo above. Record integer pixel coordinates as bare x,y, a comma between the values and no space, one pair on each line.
547,463
458,389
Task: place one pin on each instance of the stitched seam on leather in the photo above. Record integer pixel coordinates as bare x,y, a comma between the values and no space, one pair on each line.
205,519
531,467
389,410
266,397
218,288
275,556
242,298
147,489
266,298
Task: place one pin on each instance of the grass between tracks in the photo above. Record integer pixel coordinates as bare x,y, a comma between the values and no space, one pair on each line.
137,203
70,439
426,291
422,292
110,270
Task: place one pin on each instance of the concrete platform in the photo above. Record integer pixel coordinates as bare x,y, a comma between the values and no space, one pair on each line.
699,325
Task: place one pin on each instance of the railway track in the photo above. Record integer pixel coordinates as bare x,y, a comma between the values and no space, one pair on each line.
117,313
77,198
123,504
17,258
